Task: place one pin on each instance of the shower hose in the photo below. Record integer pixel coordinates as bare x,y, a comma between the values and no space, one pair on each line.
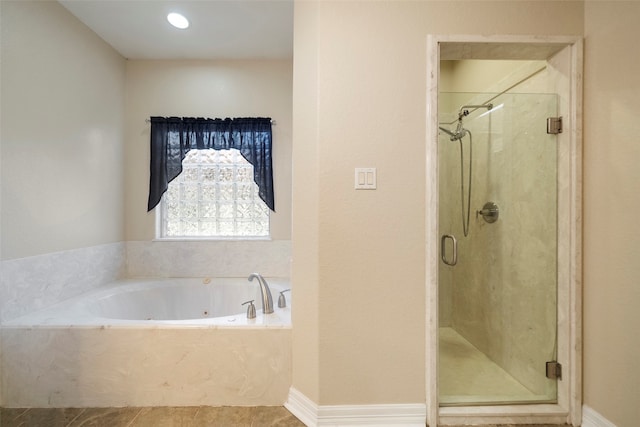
465,221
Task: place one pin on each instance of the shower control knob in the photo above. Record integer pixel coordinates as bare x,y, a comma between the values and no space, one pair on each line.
490,212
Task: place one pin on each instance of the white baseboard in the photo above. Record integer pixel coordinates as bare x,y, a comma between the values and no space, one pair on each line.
302,407
312,415
404,415
591,418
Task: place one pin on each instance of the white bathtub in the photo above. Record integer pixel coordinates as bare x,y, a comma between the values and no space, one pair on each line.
167,342
166,302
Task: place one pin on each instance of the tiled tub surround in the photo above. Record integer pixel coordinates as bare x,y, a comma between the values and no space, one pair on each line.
68,359
202,258
32,283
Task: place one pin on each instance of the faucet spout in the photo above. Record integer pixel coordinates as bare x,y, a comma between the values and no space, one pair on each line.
267,300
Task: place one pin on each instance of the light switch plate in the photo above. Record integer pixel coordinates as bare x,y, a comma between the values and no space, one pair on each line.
365,179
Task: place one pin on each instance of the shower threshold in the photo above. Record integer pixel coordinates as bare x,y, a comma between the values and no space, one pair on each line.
468,377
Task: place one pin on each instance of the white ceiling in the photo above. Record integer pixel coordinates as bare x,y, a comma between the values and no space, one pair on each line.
220,29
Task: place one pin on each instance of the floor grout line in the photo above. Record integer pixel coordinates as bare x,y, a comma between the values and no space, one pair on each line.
134,417
195,415
76,417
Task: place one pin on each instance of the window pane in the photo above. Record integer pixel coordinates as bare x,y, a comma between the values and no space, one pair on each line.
189,191
208,210
214,196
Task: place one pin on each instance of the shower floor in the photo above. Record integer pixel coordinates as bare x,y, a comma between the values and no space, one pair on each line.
468,377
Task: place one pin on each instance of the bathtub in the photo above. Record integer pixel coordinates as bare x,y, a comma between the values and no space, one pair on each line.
164,342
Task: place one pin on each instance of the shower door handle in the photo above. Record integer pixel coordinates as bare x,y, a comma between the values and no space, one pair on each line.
443,249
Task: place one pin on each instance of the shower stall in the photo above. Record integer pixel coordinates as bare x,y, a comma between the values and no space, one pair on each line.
497,275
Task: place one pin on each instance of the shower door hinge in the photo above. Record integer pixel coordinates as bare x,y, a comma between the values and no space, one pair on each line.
554,370
554,125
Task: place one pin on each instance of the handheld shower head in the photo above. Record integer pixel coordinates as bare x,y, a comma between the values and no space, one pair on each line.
448,132
457,135
460,131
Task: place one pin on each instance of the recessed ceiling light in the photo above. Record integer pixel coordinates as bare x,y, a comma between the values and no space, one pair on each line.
178,21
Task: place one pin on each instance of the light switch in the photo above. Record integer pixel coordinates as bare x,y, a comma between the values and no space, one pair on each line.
365,179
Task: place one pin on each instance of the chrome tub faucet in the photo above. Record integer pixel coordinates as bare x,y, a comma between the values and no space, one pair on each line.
267,300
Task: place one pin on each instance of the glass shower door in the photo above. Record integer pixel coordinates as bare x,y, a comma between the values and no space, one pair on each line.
497,303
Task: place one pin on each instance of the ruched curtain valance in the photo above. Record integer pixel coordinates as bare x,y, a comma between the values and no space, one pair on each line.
173,137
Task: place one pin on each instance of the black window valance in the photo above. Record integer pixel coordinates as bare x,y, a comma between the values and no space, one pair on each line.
173,137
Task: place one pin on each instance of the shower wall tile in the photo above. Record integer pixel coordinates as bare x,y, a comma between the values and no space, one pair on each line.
32,283
504,285
208,258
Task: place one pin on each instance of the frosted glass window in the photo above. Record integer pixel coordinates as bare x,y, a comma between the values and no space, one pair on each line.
214,196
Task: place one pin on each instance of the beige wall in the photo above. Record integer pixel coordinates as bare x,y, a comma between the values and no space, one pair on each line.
305,231
611,206
205,89
367,281
62,133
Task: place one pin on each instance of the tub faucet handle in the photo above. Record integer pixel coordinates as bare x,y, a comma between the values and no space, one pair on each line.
282,301
251,310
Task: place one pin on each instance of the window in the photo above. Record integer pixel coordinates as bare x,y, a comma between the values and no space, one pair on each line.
214,196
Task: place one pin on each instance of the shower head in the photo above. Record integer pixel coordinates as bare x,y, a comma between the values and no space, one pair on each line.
457,135
460,131
447,131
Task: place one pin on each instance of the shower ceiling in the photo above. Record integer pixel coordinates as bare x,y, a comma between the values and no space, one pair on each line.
220,29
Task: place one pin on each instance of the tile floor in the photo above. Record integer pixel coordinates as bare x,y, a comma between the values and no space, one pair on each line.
262,416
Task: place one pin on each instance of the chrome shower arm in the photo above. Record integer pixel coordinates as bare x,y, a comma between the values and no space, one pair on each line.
464,110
